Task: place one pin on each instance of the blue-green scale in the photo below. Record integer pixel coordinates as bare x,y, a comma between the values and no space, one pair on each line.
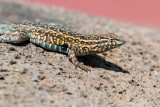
50,46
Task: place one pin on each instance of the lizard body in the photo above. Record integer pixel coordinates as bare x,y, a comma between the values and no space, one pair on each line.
58,39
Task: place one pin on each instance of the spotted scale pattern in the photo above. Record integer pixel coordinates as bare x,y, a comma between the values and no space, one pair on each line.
56,38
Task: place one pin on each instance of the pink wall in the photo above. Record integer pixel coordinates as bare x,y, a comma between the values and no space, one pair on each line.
134,11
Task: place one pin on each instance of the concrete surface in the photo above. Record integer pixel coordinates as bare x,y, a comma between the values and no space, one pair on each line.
32,76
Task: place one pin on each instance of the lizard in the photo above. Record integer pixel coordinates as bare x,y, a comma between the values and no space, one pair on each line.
58,39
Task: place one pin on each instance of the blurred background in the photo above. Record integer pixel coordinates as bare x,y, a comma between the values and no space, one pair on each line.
141,12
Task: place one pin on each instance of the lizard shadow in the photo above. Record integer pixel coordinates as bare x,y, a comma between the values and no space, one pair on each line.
97,62
25,43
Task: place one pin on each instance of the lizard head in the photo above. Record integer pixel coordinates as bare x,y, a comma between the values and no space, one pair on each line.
107,42
110,41
101,43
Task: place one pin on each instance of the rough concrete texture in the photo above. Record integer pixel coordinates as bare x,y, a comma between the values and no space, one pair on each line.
32,76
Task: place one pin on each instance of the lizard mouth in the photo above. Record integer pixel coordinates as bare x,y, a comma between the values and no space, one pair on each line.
115,44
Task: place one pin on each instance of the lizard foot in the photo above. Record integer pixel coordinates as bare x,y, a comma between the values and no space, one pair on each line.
74,60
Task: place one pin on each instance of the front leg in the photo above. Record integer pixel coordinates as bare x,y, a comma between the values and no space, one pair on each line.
74,60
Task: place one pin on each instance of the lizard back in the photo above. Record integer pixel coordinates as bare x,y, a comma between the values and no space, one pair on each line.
58,39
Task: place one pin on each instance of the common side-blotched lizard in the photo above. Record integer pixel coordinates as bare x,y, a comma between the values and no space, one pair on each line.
58,39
